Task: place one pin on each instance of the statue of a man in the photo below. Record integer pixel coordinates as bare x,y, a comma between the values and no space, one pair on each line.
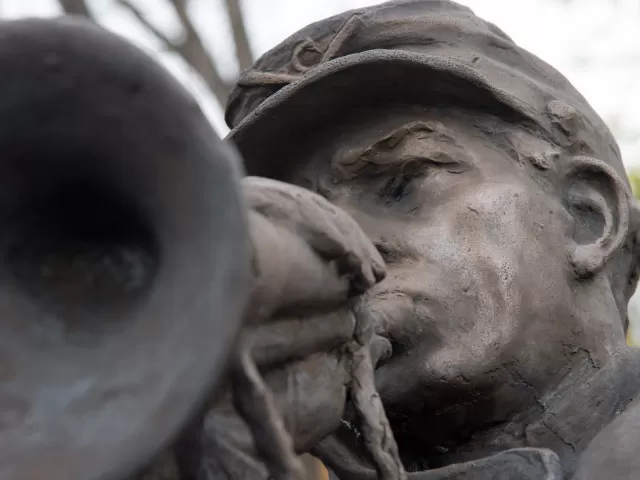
498,200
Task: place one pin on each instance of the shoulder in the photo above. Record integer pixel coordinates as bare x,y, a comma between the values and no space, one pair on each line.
612,453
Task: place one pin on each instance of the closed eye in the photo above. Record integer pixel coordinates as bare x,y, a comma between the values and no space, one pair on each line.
402,175
397,186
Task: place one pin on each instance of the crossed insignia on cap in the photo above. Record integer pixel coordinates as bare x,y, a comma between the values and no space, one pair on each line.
254,78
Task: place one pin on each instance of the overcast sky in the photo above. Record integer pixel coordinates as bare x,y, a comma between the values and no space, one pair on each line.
595,43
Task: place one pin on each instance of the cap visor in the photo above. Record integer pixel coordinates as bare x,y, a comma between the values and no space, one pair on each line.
368,78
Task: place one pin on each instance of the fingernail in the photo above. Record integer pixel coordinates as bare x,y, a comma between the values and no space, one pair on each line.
379,271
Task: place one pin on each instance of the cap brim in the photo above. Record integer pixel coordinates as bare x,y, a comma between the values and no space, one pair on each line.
369,78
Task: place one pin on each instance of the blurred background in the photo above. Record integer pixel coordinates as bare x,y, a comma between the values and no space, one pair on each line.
205,43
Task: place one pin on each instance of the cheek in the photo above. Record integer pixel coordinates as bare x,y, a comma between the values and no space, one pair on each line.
494,218
497,241
507,225
493,224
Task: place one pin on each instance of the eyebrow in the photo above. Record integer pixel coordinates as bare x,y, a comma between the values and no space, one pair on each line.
394,149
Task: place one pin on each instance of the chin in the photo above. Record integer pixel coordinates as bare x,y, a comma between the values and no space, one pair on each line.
424,443
430,414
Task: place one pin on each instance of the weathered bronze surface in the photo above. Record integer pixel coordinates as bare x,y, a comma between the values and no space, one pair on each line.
497,198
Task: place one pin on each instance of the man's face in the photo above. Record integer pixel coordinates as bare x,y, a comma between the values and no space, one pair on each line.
477,303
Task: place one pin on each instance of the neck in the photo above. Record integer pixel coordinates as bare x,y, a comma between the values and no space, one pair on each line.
569,416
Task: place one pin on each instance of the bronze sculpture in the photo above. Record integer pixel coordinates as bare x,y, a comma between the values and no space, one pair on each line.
497,198
417,136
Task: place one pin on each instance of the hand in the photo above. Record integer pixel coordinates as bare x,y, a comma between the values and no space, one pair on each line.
310,258
290,376
224,449
309,254
309,392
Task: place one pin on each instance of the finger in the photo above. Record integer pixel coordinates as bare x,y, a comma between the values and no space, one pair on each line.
291,339
301,211
364,279
311,395
290,277
378,266
344,462
371,253
328,230
324,239
280,202
257,407
379,272
313,284
363,259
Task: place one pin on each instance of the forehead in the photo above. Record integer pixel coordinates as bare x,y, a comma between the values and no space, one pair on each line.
390,133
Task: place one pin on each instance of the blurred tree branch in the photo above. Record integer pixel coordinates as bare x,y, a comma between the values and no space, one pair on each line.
190,46
240,38
76,7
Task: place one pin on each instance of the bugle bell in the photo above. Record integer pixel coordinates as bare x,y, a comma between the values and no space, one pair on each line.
123,249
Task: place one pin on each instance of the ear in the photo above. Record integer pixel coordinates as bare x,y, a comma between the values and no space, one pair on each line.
598,200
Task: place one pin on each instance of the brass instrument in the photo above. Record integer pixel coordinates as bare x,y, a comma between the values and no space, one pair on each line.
124,254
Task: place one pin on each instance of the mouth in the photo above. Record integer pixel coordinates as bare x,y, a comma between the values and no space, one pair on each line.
400,318
347,452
